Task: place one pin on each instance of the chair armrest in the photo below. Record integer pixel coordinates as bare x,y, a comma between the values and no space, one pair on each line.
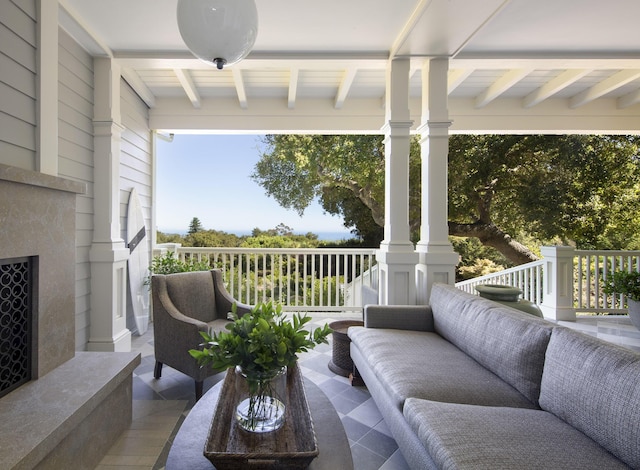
224,300
399,317
180,318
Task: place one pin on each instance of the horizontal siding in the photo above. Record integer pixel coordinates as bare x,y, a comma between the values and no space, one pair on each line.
18,33
75,161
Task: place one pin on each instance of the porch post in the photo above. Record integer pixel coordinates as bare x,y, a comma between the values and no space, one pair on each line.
396,257
437,259
557,297
108,255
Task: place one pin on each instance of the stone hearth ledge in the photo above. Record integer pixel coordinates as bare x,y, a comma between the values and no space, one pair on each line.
70,417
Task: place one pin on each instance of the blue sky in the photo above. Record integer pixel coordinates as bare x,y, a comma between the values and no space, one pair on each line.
208,176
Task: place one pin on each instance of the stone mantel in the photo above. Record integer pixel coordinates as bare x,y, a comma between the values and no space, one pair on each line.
18,175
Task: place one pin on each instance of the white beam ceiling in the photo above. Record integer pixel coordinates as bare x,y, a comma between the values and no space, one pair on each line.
317,71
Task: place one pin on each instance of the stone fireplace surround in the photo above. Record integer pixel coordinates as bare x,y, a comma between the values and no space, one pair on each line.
78,403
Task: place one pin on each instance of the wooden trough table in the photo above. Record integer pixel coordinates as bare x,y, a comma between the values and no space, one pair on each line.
333,445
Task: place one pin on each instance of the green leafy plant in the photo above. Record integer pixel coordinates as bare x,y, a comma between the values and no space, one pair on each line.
169,264
626,283
260,341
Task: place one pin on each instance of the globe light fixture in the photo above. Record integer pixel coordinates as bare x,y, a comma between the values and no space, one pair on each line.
221,32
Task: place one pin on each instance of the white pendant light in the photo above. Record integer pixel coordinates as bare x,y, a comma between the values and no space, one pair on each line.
221,32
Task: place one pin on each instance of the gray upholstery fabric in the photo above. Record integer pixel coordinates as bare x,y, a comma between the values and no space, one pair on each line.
595,387
183,305
495,438
509,343
402,317
410,445
424,365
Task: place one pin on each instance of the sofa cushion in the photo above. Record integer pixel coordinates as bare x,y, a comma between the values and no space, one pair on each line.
422,364
510,343
595,387
493,438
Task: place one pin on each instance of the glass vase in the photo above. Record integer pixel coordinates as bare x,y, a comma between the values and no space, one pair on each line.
261,399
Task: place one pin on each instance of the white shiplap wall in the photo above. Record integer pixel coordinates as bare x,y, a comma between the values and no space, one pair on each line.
135,163
75,161
18,44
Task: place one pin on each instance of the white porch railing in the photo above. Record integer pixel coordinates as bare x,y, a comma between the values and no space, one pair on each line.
527,277
566,281
300,279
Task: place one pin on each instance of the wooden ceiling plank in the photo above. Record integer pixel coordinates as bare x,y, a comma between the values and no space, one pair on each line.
345,86
456,77
629,99
500,86
554,86
184,77
606,86
238,80
138,85
293,87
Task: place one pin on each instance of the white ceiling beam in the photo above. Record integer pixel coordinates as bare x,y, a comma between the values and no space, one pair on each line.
554,86
238,80
629,99
138,85
293,87
345,87
456,77
184,77
409,26
606,86
500,86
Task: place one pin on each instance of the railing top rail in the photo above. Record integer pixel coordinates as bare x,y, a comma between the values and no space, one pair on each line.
608,253
321,251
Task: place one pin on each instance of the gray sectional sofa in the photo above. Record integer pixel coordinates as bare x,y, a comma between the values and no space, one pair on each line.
466,383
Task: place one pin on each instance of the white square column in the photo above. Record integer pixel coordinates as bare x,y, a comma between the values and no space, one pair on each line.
396,257
108,255
437,260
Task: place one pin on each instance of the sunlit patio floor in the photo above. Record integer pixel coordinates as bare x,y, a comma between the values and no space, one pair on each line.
160,406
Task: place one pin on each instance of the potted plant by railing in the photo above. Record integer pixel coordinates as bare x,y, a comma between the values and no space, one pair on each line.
626,283
259,346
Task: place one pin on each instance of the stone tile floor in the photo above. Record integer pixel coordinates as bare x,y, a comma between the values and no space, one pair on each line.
160,406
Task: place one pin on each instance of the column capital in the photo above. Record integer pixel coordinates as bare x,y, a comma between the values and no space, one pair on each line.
393,124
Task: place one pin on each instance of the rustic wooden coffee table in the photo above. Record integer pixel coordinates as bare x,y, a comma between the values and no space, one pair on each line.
333,445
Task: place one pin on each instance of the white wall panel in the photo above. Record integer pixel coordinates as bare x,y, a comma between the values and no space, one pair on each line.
75,161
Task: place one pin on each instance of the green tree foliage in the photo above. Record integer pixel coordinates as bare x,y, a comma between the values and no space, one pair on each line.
503,190
195,226
346,173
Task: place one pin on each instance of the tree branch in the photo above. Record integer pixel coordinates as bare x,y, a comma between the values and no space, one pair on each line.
490,235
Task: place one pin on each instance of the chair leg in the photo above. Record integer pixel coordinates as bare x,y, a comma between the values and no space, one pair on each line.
198,389
157,371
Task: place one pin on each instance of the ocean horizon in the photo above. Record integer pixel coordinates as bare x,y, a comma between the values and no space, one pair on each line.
322,236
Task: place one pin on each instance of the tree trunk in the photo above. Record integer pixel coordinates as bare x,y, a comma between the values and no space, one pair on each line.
490,235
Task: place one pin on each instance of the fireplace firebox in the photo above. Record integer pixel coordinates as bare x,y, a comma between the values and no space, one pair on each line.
16,321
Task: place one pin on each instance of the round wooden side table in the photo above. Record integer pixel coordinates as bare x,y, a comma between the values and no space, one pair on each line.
341,362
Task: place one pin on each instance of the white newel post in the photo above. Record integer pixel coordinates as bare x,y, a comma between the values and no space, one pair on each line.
397,257
108,331
437,260
557,299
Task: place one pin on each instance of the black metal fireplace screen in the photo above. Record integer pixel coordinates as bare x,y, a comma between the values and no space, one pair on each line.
16,322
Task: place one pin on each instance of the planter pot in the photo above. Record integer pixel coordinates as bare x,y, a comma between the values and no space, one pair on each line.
509,296
634,312
261,399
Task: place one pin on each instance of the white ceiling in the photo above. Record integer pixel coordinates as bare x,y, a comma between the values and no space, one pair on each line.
515,65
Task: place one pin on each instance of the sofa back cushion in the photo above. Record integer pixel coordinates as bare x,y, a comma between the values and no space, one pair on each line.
595,387
509,343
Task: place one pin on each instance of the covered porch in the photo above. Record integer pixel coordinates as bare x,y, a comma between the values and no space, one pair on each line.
430,68
88,86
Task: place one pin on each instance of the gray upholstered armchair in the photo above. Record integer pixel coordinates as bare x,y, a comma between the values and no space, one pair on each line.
183,305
